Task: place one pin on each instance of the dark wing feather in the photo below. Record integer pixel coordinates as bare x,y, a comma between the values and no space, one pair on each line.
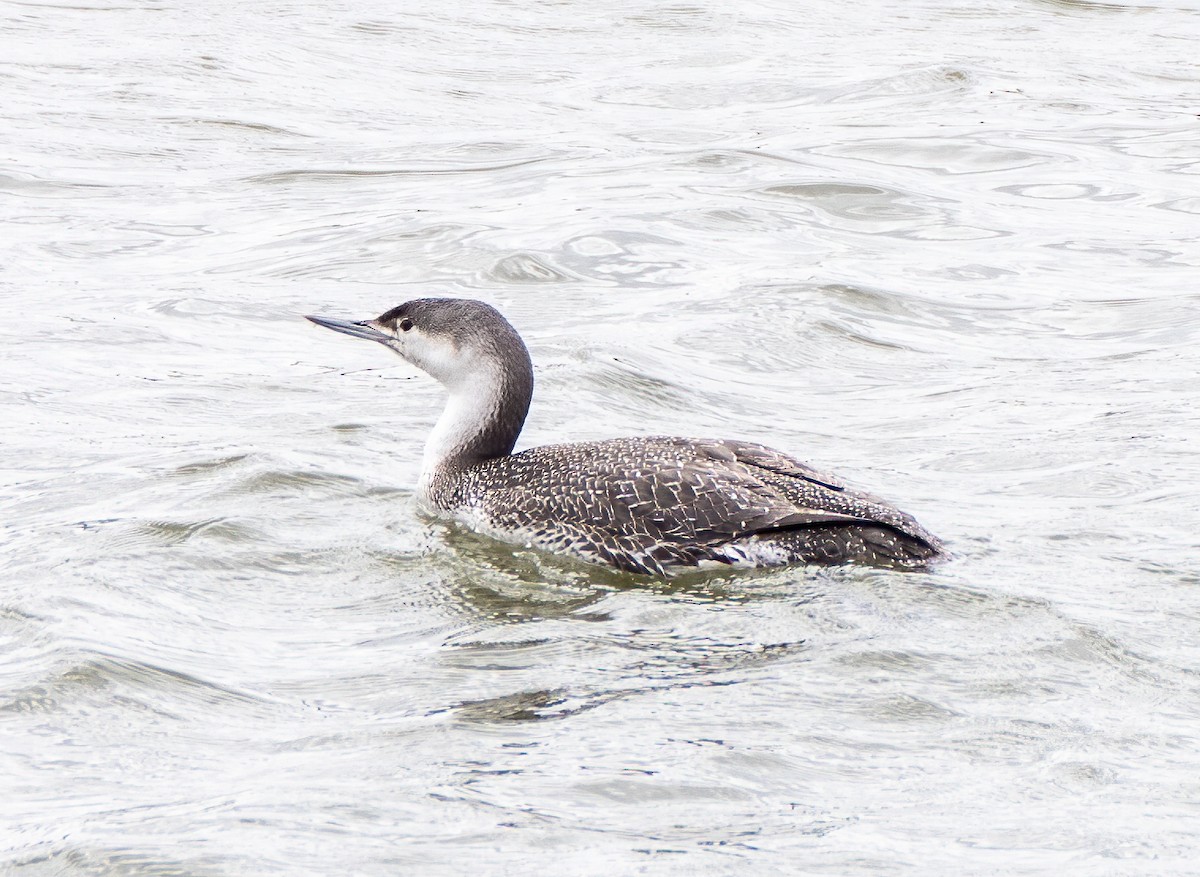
805,485
771,460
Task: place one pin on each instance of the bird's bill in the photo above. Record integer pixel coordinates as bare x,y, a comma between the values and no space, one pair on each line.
359,329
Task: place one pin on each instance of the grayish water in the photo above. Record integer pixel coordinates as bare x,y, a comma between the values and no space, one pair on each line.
949,250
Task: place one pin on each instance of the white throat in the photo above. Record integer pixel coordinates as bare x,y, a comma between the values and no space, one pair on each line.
467,413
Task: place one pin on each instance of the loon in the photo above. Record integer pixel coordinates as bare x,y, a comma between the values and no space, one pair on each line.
652,505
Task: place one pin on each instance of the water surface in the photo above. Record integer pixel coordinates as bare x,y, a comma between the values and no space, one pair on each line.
948,251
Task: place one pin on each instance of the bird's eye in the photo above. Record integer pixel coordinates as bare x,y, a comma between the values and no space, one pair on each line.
406,324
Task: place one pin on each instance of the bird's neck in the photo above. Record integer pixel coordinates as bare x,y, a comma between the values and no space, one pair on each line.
482,420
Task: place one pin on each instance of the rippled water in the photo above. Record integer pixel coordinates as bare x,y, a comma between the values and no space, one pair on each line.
949,250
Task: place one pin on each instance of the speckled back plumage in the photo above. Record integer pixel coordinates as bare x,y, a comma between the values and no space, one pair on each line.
650,504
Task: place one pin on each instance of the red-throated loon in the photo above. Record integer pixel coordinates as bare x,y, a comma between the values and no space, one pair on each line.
652,504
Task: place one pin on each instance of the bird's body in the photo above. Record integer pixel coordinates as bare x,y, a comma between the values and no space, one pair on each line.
649,504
